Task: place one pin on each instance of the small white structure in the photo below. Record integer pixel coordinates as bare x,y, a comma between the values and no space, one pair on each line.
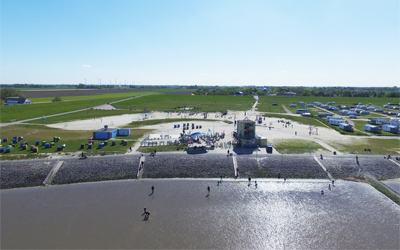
394,121
335,120
391,128
377,121
371,128
301,111
346,127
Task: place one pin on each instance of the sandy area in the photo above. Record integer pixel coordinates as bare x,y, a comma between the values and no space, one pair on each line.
270,128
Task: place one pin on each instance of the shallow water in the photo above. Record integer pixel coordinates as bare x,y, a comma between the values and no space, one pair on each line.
276,215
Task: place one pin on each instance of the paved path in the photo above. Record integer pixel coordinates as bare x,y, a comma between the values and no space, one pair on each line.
287,110
323,167
141,167
52,173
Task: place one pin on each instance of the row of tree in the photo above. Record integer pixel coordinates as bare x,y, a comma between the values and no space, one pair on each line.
10,92
338,91
302,91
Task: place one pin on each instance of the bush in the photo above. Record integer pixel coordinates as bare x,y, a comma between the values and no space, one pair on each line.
57,99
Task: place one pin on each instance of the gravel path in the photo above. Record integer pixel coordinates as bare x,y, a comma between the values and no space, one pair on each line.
286,109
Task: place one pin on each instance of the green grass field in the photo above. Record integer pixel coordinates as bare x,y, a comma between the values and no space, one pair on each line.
117,96
72,138
377,146
265,105
296,146
21,112
197,102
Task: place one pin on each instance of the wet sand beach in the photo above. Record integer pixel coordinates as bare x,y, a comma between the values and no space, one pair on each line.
275,215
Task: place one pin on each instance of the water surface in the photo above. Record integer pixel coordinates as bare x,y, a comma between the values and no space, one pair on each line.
276,215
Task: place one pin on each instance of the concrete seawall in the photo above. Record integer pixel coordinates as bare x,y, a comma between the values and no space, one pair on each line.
17,174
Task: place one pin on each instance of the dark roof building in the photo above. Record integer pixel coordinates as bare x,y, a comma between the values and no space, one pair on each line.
17,100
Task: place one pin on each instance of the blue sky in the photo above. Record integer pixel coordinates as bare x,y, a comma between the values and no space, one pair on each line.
203,42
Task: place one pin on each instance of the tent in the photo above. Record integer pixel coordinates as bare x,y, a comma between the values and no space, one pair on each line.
197,134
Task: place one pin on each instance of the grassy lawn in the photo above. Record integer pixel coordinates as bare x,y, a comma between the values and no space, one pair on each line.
265,105
71,138
21,112
82,115
166,148
197,102
118,96
377,146
296,146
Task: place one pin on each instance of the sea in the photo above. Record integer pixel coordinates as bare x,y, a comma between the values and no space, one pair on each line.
235,214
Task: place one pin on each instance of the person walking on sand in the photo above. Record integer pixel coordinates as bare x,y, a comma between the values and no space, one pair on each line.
144,210
208,189
152,189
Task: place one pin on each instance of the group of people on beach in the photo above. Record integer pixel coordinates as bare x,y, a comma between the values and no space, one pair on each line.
145,213
329,187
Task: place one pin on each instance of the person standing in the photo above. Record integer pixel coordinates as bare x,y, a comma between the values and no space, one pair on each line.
144,209
152,189
208,189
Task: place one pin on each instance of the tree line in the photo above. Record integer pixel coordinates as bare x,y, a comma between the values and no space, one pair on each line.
302,91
